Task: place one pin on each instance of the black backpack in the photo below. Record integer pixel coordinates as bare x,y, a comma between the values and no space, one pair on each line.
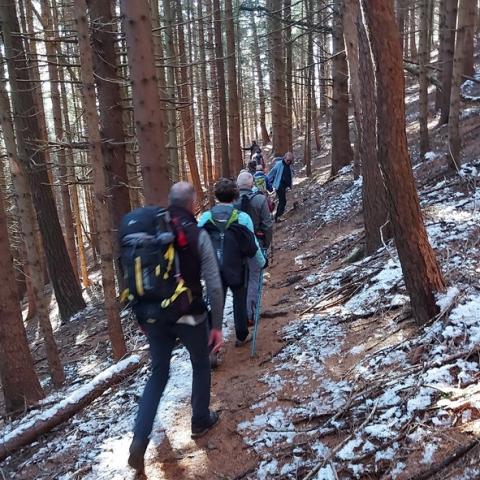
150,263
233,244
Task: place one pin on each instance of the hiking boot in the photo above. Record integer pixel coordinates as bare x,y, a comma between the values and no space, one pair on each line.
137,454
200,430
247,339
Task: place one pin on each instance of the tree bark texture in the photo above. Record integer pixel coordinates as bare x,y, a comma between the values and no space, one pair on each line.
64,281
102,213
278,93
234,148
150,130
423,60
342,153
422,274
110,104
20,384
220,79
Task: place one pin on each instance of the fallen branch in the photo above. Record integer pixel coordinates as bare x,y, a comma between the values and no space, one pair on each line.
45,421
457,454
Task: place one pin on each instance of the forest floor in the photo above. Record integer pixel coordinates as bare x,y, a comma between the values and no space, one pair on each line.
344,384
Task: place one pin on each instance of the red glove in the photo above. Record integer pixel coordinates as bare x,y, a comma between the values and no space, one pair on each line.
216,340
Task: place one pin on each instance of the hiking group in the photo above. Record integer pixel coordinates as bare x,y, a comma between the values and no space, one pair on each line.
177,272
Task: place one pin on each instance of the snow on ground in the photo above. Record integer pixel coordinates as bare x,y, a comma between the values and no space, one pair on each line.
391,395
101,435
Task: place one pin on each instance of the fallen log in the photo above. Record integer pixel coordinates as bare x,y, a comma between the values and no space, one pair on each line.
43,422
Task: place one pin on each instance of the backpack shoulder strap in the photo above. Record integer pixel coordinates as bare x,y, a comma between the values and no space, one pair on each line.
233,218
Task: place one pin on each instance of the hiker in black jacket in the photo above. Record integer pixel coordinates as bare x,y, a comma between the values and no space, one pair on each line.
233,239
196,261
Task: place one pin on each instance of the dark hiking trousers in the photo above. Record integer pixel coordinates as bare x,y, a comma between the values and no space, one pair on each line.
161,338
282,201
239,310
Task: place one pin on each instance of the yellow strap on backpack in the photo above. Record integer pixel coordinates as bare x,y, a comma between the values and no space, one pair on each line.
139,276
169,256
181,288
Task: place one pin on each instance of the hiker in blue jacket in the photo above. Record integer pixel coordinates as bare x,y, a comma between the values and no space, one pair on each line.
232,234
281,176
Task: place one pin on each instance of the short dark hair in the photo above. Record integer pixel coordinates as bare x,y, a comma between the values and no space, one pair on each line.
226,190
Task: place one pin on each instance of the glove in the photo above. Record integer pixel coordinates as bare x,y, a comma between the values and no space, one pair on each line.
215,341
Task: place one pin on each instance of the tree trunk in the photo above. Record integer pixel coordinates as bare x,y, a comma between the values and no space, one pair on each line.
454,140
441,50
413,33
222,104
448,49
422,274
99,182
278,95
107,80
260,82
374,194
31,259
64,281
342,153
186,115
20,384
170,93
150,130
207,147
289,73
469,60
309,86
422,59
234,150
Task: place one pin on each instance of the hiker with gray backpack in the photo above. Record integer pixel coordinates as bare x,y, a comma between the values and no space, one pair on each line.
232,234
164,257
255,203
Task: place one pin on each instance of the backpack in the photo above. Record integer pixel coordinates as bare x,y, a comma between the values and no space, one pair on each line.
150,263
232,243
245,204
260,182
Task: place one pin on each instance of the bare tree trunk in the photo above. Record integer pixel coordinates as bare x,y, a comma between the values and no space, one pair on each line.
454,139
234,149
107,80
204,98
212,79
50,47
64,281
260,81
278,95
448,48
342,153
413,33
469,60
99,182
422,58
309,87
150,129
19,381
186,115
27,222
422,274
288,74
82,258
222,104
170,91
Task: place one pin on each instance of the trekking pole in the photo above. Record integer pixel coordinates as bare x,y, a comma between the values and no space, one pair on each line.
257,315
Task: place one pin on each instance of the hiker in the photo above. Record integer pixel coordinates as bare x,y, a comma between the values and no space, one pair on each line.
234,241
256,205
252,167
252,148
281,176
185,319
258,157
261,180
